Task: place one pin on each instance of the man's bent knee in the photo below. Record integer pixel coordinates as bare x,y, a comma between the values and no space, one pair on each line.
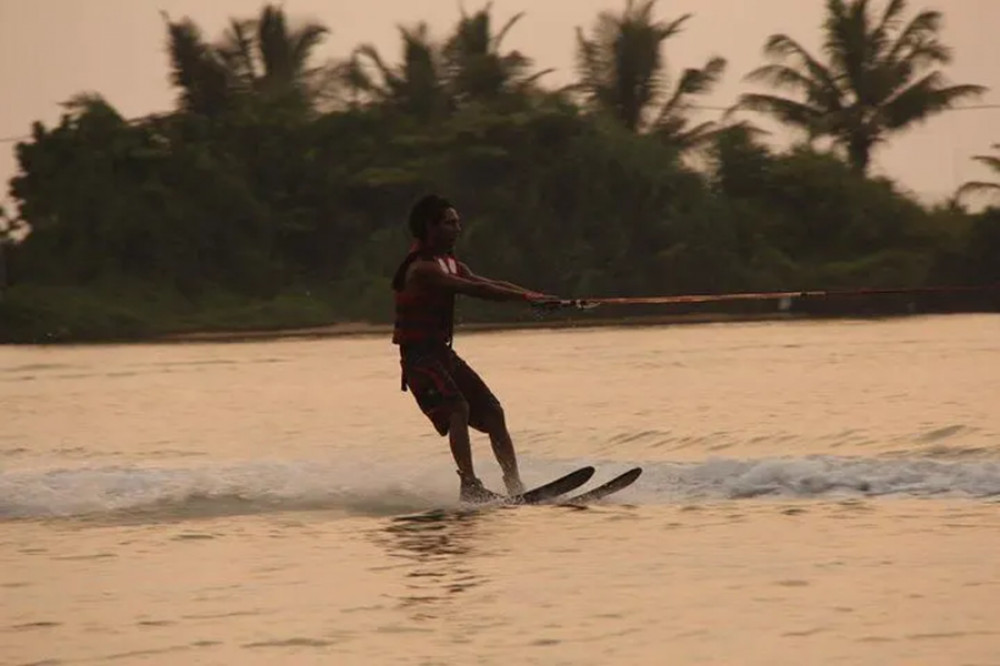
493,417
452,414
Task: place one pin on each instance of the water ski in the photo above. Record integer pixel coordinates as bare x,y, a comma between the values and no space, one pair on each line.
620,482
553,489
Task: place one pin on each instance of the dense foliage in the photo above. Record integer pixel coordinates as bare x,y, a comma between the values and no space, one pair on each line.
275,194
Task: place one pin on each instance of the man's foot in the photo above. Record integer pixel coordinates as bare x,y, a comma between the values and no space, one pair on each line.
473,491
514,485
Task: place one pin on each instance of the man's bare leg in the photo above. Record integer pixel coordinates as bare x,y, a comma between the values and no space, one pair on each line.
458,438
503,449
470,489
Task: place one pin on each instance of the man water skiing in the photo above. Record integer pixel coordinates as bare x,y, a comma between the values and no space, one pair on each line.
446,389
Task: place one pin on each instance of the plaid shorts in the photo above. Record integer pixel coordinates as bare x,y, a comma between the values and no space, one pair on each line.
439,379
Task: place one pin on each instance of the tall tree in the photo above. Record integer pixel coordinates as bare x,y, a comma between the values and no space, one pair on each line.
622,72
620,64
476,66
673,124
270,58
415,86
263,58
878,77
197,70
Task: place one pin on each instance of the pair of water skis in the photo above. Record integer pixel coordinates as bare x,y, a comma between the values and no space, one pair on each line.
553,492
556,491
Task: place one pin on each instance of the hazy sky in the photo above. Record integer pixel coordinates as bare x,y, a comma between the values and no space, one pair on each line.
52,49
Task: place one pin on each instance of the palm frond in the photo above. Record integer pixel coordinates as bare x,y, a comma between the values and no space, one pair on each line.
187,51
698,135
779,47
920,36
352,74
390,80
590,65
890,21
666,31
782,77
274,43
699,81
923,98
237,49
790,111
196,69
91,103
849,47
511,22
692,82
990,161
532,78
976,187
304,41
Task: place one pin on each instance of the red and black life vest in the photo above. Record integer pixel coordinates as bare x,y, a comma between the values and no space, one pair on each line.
423,316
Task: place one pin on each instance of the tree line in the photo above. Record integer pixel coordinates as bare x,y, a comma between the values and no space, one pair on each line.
274,194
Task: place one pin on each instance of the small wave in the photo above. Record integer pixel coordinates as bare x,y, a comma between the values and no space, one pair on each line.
148,494
160,494
26,367
955,452
824,475
943,433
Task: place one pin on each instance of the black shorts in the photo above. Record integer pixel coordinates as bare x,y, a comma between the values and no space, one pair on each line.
439,379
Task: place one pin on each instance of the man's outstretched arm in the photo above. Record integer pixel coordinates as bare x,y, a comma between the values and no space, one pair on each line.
429,274
466,272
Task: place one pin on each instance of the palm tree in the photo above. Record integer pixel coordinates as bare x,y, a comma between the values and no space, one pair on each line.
197,70
621,70
878,77
346,82
261,58
416,86
269,58
673,122
474,64
983,187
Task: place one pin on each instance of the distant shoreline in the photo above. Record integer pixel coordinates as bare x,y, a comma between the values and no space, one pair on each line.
367,329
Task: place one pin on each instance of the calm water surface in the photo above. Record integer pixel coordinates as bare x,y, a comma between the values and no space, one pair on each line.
814,492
